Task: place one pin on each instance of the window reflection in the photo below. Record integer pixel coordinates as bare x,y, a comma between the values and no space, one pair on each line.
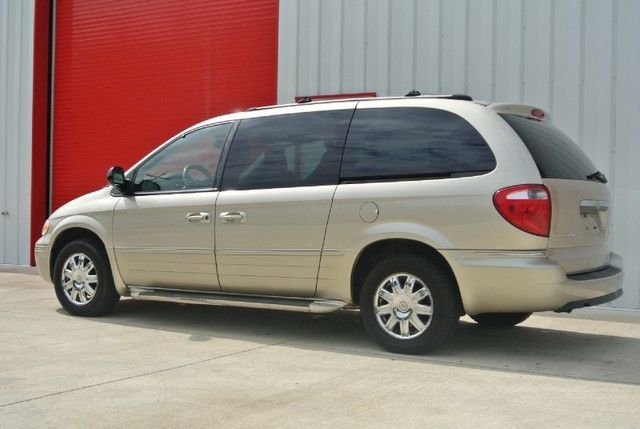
413,142
300,149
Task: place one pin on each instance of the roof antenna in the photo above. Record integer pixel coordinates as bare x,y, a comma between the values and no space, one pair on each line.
412,93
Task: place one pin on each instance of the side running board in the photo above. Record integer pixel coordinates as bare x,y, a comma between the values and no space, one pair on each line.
301,305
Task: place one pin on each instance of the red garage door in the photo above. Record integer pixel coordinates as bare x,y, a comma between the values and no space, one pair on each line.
129,74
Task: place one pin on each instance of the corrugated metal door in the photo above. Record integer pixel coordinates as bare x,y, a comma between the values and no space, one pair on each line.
16,83
130,74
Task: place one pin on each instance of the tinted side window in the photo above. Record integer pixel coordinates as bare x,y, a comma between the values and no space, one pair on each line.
188,163
397,143
555,154
300,149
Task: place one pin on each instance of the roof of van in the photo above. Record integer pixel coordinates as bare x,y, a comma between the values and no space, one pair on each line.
309,101
528,111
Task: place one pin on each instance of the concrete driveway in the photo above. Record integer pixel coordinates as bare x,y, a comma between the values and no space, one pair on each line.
164,365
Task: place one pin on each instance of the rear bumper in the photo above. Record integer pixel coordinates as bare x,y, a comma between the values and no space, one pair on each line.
589,302
492,282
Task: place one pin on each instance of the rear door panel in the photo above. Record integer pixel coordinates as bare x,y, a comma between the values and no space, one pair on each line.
277,188
275,248
580,224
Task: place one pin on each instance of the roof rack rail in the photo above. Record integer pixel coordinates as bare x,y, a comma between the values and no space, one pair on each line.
416,93
459,97
412,93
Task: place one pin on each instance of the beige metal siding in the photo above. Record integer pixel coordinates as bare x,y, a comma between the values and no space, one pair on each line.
578,59
16,83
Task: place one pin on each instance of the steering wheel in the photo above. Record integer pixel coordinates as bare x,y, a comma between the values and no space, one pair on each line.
189,182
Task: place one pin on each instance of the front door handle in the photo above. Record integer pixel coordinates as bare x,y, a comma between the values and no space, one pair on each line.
198,217
233,217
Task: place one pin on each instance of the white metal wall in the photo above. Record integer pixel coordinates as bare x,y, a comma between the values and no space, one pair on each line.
578,59
16,86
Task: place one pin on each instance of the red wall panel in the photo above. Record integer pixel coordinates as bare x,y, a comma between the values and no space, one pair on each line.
129,74
40,119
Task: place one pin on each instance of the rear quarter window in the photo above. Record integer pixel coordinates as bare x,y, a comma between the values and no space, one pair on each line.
555,154
413,143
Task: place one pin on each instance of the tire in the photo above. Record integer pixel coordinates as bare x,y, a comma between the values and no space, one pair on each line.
86,269
440,296
500,320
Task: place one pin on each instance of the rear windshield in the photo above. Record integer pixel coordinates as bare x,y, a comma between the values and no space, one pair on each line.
555,154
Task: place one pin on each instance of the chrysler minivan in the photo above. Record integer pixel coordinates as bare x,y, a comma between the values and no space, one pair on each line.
414,210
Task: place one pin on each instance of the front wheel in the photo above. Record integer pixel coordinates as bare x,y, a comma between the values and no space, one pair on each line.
408,304
83,281
500,320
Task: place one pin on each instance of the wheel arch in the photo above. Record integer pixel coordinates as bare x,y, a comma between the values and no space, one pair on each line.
376,251
68,235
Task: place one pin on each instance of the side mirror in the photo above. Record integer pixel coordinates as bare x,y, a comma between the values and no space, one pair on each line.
115,177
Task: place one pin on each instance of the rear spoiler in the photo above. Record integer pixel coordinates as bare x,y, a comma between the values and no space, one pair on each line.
530,112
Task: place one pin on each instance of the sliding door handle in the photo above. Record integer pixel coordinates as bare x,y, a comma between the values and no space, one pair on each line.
233,217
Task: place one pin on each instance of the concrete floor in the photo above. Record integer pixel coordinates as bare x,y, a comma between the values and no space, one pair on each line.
164,365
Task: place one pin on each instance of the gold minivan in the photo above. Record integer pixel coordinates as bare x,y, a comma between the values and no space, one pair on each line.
416,210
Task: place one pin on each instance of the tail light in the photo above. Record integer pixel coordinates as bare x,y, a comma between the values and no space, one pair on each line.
527,207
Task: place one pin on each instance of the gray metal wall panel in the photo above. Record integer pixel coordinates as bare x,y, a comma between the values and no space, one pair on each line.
508,70
596,87
626,147
377,46
537,52
576,58
353,41
4,59
401,77
427,31
566,85
481,50
308,47
453,37
287,49
330,46
16,88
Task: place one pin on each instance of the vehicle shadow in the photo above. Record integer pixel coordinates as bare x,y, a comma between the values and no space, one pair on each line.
527,349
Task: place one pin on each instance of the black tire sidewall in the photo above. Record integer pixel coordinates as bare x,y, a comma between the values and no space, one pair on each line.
445,309
105,297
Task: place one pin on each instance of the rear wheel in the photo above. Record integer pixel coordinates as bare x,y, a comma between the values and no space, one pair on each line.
500,320
83,281
408,304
